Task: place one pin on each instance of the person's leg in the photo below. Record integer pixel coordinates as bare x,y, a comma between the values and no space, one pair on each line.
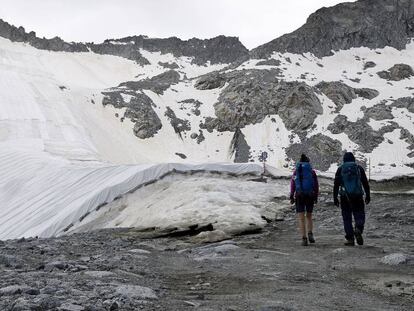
309,225
347,220
359,217
309,221
300,211
301,223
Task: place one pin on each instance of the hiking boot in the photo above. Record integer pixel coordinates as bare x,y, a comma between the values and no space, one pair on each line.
311,238
358,237
304,241
349,243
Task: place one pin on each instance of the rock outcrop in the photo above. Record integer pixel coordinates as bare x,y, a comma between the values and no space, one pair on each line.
397,72
139,110
218,50
342,94
321,149
368,23
251,95
239,147
158,84
361,133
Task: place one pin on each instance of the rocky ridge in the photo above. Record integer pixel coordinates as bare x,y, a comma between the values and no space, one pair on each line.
364,23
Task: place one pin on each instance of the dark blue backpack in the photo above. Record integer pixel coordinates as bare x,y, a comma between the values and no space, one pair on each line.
304,179
351,186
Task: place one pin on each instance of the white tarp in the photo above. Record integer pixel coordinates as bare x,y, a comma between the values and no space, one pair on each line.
42,195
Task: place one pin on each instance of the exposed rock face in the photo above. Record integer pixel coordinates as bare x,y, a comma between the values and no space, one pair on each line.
269,62
210,81
169,65
369,23
127,51
139,110
404,102
239,147
397,72
195,104
338,92
408,137
178,124
321,149
378,112
253,94
360,132
342,94
55,44
157,84
217,50
366,93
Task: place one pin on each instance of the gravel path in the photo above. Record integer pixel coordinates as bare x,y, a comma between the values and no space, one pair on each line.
125,270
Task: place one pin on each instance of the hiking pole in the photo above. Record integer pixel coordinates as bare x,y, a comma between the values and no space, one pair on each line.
369,169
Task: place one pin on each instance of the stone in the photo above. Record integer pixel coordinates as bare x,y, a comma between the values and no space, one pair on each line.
11,290
396,259
369,64
136,292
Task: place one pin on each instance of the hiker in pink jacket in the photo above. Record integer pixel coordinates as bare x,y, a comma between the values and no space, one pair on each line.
304,190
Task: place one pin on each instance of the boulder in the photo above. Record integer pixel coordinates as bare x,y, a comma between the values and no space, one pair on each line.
397,72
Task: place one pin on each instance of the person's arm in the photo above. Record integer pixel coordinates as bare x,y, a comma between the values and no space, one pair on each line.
292,185
337,183
365,184
315,184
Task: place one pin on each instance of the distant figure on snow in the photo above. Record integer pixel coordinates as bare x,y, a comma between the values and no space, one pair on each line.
304,189
350,178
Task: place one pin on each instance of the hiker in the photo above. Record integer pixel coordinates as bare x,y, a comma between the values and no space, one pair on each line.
304,189
350,178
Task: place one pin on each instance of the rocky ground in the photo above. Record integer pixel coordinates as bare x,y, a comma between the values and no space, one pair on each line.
127,270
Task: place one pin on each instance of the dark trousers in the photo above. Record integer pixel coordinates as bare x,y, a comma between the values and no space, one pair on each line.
353,208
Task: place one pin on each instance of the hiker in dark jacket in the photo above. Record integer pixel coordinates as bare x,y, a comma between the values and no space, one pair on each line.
350,178
304,189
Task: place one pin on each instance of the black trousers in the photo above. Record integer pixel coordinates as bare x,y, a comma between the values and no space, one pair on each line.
353,209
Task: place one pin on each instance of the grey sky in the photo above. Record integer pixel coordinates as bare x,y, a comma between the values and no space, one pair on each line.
254,21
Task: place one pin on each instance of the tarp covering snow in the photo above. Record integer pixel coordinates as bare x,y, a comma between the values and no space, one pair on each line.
42,195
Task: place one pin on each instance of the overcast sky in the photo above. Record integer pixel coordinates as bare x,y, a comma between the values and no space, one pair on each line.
254,21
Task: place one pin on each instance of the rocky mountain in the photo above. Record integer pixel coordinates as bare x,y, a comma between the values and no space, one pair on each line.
213,51
364,23
89,120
